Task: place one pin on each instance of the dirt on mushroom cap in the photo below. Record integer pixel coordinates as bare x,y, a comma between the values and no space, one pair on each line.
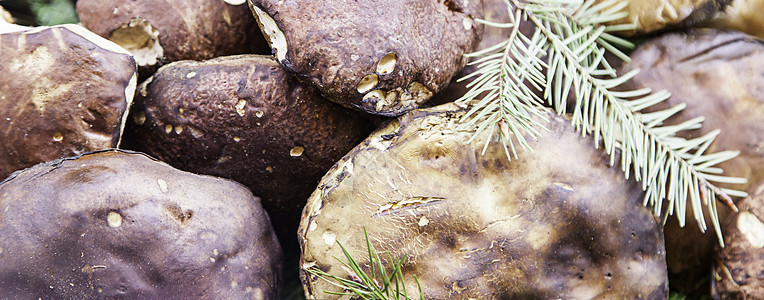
559,223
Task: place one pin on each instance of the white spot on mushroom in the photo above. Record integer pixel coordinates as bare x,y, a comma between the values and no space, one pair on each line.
308,265
259,113
224,159
234,284
240,105
57,136
423,221
235,2
296,151
168,128
114,219
162,185
140,39
751,228
386,65
354,57
268,26
269,169
191,74
139,118
178,129
313,226
236,139
215,252
467,23
212,259
376,94
367,83
329,238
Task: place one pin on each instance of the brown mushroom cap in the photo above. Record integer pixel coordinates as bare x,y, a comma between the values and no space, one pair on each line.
244,118
66,91
718,75
116,224
381,57
172,30
557,224
738,267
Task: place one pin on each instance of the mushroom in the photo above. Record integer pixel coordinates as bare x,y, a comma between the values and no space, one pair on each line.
117,224
742,15
718,76
66,92
380,57
557,224
739,265
244,118
655,15
157,32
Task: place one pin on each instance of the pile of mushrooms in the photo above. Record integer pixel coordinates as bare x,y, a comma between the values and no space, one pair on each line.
196,149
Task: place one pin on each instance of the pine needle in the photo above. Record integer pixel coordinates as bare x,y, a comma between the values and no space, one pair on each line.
565,57
375,285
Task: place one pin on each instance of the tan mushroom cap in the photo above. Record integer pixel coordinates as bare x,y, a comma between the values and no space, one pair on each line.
557,224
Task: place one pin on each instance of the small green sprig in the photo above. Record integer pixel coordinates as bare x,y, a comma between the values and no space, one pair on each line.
378,284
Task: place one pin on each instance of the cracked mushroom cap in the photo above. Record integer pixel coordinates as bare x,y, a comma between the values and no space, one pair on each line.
163,31
739,266
244,118
118,224
717,75
66,91
557,224
380,57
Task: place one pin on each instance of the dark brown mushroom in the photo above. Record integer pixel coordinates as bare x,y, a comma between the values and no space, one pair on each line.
116,224
380,57
244,118
66,91
157,32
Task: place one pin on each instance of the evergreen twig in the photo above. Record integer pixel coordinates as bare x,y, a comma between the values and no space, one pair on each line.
564,55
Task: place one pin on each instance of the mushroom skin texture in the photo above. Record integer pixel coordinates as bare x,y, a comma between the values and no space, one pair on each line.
66,92
379,57
117,224
655,15
739,265
244,118
557,224
742,15
157,32
717,74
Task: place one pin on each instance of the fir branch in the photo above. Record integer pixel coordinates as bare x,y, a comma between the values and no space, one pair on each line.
566,54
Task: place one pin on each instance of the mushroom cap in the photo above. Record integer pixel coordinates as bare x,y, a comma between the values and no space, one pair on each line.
381,57
739,265
116,224
717,74
557,224
66,91
163,31
244,118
